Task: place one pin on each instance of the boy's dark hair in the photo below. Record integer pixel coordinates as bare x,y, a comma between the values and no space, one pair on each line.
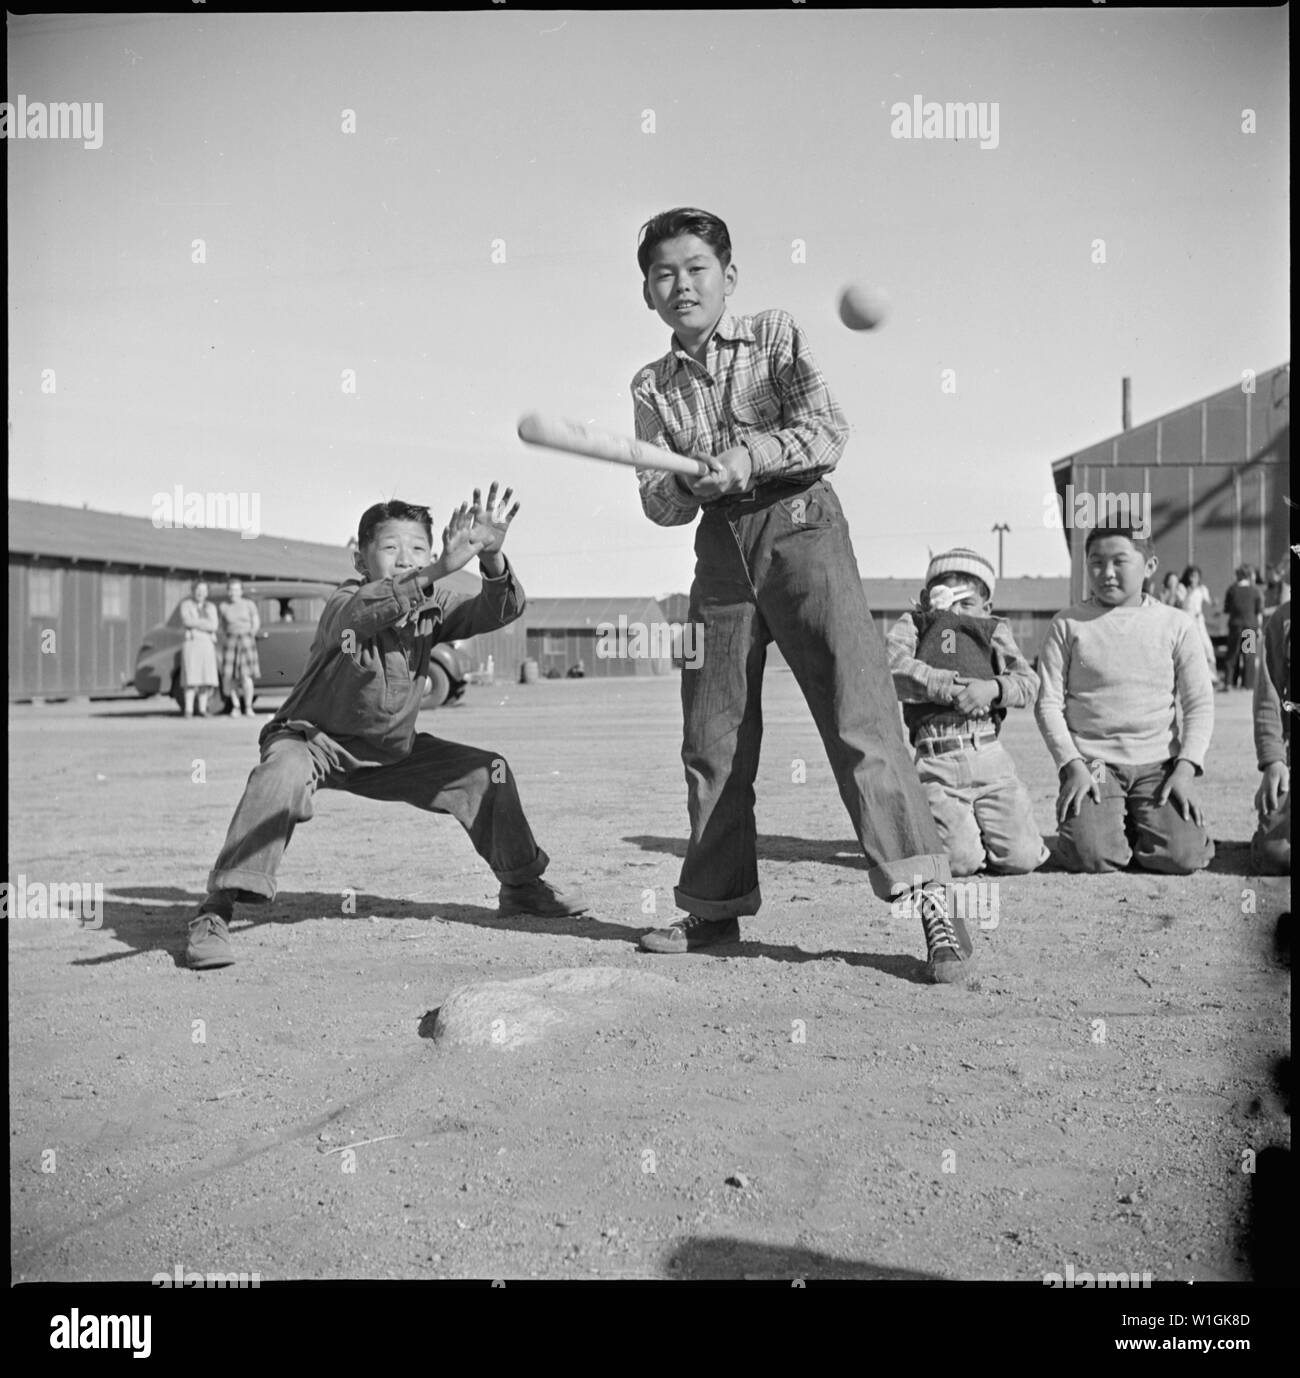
1141,542
983,588
395,510
679,221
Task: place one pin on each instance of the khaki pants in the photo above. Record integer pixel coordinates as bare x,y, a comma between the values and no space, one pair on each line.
982,810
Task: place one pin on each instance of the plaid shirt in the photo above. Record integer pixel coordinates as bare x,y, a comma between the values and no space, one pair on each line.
758,387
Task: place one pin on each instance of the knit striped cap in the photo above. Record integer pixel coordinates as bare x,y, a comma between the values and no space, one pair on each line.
961,561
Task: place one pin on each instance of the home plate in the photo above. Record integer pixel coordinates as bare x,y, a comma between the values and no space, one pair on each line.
513,1014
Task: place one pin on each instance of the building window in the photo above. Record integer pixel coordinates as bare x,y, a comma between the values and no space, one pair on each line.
44,593
113,597
552,645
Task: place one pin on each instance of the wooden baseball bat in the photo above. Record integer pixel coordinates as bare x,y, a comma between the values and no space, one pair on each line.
557,433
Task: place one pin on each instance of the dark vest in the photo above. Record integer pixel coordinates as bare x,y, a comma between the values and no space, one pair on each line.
969,651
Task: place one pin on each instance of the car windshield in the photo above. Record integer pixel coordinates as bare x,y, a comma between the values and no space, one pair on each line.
299,609
271,607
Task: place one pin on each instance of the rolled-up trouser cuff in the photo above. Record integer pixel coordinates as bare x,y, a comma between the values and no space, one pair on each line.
252,887
894,878
522,874
719,909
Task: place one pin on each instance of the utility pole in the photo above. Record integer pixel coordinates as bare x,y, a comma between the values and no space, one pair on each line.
1001,528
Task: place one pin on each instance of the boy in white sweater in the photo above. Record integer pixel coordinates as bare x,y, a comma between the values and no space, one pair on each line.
1117,670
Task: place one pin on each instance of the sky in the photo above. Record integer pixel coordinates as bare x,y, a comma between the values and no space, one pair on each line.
465,242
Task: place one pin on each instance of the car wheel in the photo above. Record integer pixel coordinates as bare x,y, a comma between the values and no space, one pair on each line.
176,692
440,687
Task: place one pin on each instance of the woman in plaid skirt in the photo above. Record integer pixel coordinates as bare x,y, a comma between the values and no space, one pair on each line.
240,624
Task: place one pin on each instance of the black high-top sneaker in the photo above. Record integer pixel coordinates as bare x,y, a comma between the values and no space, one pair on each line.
950,954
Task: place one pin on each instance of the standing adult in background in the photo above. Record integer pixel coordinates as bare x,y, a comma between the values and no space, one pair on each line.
1193,602
1278,590
198,650
240,624
1244,605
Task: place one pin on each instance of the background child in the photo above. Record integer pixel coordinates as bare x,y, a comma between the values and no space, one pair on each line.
1171,590
1117,671
774,562
349,722
1270,848
957,669
1194,600
1244,606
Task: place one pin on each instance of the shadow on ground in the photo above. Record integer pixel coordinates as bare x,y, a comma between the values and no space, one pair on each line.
723,1257
1270,1231
1230,858
129,918
154,918
771,847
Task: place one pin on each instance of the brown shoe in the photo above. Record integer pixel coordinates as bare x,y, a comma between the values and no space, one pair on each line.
541,899
209,944
691,934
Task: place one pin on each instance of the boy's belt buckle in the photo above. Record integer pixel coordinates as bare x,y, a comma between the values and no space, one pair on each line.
945,746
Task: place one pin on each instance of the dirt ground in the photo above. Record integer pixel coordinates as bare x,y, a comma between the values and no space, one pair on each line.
1087,1100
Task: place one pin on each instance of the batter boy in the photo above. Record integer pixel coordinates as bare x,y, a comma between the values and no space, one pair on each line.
349,723
773,563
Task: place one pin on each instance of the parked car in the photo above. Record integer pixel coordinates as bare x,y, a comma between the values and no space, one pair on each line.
290,613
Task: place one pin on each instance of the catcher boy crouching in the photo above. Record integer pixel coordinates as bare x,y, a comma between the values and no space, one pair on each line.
349,723
957,669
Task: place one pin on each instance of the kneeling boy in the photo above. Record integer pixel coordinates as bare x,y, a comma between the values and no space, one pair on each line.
957,669
1270,848
1117,670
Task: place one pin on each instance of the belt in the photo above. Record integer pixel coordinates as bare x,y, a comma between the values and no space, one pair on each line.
945,746
764,493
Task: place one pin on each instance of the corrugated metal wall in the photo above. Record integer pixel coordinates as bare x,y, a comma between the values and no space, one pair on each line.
558,650
505,648
552,649
1217,472
510,646
75,630
1217,516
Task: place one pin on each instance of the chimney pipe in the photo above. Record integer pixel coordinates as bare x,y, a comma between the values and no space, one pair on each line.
1126,403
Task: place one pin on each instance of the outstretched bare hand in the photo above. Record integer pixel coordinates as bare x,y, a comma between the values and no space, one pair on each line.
492,520
460,540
